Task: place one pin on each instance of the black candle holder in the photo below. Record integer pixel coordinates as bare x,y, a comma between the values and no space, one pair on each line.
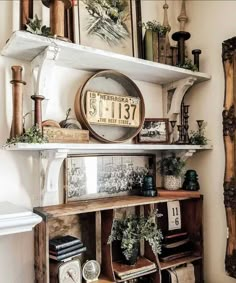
196,53
181,37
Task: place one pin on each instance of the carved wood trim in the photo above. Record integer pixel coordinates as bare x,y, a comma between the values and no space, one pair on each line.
229,131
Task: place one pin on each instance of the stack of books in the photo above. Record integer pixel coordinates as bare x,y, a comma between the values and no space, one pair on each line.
142,267
65,247
176,245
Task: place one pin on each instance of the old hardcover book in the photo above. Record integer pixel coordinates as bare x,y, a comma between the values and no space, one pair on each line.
66,250
69,254
142,265
148,46
59,243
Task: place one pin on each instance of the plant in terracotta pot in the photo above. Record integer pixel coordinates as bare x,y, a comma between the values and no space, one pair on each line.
130,230
172,168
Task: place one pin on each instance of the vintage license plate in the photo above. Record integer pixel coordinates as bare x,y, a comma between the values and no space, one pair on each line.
113,110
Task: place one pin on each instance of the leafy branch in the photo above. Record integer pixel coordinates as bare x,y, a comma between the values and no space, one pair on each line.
31,135
35,26
188,65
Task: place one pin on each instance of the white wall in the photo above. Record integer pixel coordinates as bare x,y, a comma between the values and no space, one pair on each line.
19,171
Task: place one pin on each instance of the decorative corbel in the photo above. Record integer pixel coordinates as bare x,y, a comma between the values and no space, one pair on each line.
51,162
173,95
42,71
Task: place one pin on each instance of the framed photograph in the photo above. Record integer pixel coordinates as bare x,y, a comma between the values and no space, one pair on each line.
154,130
109,25
88,177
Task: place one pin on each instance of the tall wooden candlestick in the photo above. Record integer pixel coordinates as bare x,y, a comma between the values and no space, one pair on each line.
38,110
26,12
17,101
57,15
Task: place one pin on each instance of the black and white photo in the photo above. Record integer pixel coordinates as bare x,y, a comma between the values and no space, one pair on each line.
100,176
154,130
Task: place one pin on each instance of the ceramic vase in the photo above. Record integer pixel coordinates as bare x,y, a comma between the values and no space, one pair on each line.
172,182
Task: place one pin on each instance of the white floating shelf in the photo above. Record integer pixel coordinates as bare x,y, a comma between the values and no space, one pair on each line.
15,219
26,46
105,148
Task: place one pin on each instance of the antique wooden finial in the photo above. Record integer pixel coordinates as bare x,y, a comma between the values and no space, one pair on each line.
165,53
57,15
17,101
26,12
182,18
165,19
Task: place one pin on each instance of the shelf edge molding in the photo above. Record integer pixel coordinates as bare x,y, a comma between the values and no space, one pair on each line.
16,219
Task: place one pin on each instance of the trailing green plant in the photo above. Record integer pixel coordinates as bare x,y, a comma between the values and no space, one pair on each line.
31,135
188,65
35,26
198,137
134,228
172,165
156,26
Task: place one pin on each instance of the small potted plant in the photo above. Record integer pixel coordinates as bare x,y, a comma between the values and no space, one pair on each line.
171,168
130,230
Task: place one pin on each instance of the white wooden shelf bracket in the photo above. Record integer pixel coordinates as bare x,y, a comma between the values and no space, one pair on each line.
173,94
42,72
51,162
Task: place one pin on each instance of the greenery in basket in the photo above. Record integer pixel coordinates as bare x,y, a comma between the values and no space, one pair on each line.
31,135
172,165
198,137
156,26
188,65
134,228
35,26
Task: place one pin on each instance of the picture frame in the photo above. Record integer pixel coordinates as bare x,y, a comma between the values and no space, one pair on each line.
110,27
155,131
102,176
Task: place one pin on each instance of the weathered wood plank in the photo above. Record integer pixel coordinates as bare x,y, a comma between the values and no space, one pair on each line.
85,206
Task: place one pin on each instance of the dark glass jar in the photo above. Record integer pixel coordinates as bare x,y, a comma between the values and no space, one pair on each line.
191,181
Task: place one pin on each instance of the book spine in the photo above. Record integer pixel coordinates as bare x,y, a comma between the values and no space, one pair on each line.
70,254
63,245
148,46
155,46
66,250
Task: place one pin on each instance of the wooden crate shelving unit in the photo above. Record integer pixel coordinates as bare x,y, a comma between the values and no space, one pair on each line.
92,221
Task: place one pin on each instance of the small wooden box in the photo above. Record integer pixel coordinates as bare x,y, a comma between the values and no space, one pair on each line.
61,135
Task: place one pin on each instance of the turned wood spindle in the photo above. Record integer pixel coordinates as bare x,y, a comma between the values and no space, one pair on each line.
183,18
196,53
38,110
26,12
57,15
17,101
181,36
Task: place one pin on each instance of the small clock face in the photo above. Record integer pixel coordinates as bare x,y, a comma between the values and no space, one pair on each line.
70,272
91,270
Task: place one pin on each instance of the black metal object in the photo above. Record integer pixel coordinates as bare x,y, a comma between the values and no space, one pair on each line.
196,53
181,37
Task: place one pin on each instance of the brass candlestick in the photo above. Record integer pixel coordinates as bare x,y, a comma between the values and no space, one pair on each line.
173,123
17,101
38,110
